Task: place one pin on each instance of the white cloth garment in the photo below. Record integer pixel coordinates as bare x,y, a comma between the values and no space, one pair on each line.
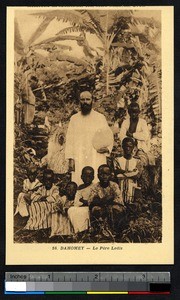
28,187
127,184
141,134
79,217
80,133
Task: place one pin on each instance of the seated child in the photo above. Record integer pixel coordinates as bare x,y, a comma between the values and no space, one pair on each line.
41,204
79,213
128,169
84,189
105,200
30,185
60,222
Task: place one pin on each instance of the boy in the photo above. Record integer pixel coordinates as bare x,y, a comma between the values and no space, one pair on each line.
105,200
84,189
60,221
41,204
79,214
30,185
128,169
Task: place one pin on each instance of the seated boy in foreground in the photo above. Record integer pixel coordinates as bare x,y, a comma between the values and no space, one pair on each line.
79,213
41,205
84,189
60,222
105,200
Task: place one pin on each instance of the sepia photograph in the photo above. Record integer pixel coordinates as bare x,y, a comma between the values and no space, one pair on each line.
87,128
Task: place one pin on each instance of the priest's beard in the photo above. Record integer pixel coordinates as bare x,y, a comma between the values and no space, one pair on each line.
86,108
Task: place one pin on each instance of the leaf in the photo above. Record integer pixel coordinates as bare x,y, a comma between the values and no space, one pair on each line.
70,29
18,42
40,30
60,38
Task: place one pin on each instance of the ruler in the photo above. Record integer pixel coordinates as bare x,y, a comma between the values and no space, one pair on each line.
87,282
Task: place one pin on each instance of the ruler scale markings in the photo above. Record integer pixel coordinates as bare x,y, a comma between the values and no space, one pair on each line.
138,281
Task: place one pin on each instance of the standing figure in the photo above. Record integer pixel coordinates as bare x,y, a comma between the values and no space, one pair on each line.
28,100
55,158
80,139
128,169
135,128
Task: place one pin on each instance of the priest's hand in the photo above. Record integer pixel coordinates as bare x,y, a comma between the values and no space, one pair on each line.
71,165
103,150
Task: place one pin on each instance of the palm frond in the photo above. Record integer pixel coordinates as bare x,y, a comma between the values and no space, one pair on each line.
18,42
40,30
93,20
60,38
71,29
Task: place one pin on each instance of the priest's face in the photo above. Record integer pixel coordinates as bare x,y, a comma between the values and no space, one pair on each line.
86,102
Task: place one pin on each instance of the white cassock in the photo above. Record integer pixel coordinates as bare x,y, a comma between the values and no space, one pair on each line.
79,146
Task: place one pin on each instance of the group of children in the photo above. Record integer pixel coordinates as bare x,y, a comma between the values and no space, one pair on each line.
80,208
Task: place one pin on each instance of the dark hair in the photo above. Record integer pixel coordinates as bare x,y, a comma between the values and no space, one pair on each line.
71,183
103,166
34,78
88,168
133,105
48,172
127,140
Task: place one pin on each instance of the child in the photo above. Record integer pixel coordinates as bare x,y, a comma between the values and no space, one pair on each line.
128,169
60,222
84,189
105,200
79,213
30,185
41,204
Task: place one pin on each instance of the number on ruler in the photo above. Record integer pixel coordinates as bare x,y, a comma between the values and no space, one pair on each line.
96,277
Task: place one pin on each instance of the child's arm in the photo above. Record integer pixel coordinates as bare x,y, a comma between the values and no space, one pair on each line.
136,173
131,174
58,206
54,195
83,201
93,196
25,186
77,200
37,195
118,199
119,172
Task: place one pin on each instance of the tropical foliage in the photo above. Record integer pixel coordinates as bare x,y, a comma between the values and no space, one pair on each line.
125,66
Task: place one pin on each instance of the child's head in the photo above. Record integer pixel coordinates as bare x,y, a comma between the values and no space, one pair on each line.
71,189
104,175
48,179
87,175
32,173
134,110
128,145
